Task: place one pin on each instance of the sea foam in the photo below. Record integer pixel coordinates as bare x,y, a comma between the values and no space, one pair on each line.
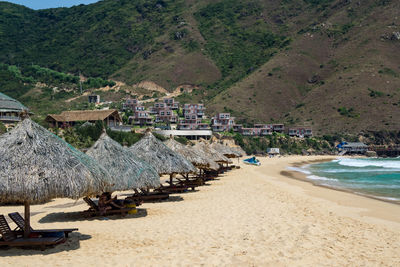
321,178
297,169
360,163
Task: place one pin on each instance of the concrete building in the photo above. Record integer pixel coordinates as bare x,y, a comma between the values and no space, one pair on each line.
130,104
222,122
171,103
94,99
196,109
189,134
301,131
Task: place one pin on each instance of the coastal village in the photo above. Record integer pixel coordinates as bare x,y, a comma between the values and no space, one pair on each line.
199,133
169,117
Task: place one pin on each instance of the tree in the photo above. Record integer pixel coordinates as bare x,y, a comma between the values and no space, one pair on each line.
3,128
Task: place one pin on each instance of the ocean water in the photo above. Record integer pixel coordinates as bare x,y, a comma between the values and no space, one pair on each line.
376,177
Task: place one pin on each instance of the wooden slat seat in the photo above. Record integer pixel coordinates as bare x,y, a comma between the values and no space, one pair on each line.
192,183
171,189
149,197
95,211
20,222
10,238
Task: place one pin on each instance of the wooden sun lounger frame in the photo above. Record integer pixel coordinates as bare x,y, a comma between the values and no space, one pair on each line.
149,196
12,239
172,189
20,222
94,209
191,183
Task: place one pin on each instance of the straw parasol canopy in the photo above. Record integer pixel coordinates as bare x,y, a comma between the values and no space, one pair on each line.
162,158
197,157
213,165
36,166
212,153
127,169
239,150
225,150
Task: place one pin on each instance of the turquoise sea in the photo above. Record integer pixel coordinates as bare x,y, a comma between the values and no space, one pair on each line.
375,177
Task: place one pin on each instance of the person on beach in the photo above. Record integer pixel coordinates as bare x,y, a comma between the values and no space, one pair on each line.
104,204
115,203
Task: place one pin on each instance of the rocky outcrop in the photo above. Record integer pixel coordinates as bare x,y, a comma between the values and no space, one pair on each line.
313,79
394,36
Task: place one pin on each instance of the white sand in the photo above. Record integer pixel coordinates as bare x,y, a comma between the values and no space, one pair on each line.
250,217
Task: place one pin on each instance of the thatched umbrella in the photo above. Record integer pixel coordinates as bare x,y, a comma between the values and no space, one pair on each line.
162,158
225,150
193,156
127,169
212,153
197,157
213,165
239,150
36,166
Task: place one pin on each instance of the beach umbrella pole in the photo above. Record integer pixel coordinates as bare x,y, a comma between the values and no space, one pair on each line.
27,216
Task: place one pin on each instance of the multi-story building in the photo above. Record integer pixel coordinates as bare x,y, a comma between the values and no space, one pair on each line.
193,114
192,123
130,104
262,129
222,122
257,130
141,117
197,109
301,131
166,115
187,126
155,109
191,118
171,103
237,127
278,128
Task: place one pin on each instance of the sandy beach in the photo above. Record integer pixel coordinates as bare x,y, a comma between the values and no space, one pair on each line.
253,216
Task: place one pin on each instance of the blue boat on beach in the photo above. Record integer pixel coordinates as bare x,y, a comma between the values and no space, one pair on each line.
252,161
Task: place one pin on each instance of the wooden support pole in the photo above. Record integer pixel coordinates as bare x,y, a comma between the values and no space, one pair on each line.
27,215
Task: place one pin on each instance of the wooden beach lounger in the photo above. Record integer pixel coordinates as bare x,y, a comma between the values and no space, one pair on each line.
191,183
20,222
149,196
211,174
10,238
172,189
95,211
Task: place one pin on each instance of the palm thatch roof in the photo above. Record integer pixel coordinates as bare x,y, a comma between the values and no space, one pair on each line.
36,166
162,158
8,104
213,164
239,150
212,153
225,150
197,157
127,169
85,115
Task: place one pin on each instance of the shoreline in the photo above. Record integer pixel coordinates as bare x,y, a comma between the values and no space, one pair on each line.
378,210
298,175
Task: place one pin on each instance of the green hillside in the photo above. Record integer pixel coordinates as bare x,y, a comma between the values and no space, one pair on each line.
329,64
